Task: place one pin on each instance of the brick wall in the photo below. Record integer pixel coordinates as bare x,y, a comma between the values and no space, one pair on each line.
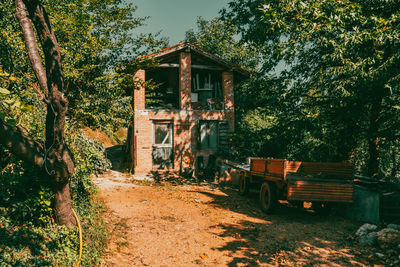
184,80
139,92
185,130
185,122
229,101
143,142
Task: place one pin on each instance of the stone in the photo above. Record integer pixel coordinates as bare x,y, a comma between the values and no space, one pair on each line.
365,229
393,226
388,238
368,239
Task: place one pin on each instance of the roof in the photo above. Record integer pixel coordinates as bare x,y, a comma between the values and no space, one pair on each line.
201,51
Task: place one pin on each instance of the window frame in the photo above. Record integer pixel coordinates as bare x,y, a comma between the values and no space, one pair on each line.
170,125
208,125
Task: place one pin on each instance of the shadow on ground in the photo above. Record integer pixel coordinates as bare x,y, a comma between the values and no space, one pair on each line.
288,237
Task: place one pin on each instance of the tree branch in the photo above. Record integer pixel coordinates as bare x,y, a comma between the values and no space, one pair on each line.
31,45
21,146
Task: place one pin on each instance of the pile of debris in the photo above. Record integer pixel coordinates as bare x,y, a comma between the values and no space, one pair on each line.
385,238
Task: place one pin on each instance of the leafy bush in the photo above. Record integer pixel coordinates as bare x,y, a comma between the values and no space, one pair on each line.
90,158
28,234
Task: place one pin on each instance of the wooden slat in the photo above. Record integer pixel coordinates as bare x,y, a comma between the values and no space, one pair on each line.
342,170
317,191
311,182
320,191
321,199
275,166
325,188
292,166
258,165
272,167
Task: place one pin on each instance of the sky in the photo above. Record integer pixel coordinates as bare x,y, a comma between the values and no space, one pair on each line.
174,17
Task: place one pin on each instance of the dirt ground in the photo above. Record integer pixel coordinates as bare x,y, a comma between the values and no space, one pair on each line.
155,224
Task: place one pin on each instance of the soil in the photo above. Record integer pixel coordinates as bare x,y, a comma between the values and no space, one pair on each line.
186,224
99,136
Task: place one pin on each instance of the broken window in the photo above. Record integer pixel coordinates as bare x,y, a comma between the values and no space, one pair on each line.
207,89
208,134
162,145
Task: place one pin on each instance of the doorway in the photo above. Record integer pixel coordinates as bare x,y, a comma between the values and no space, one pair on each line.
163,145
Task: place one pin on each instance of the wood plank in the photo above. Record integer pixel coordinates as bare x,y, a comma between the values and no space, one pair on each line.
312,196
344,200
298,194
350,190
320,187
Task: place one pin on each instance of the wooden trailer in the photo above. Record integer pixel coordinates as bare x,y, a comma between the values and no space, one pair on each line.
295,181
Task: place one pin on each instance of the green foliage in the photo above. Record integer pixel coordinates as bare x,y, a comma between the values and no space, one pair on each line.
329,75
90,158
27,230
33,245
25,197
218,37
94,38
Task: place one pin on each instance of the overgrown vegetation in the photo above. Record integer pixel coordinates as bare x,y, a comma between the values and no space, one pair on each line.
326,83
325,87
94,38
28,233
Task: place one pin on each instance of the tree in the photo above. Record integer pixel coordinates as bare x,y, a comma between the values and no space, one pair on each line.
218,37
97,36
54,157
94,37
341,75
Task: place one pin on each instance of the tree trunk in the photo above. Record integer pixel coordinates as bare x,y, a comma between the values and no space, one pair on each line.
373,136
394,169
63,208
55,157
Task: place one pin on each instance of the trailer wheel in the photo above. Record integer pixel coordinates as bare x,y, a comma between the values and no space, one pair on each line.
244,184
268,198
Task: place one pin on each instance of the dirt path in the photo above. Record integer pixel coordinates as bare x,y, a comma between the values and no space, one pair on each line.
189,225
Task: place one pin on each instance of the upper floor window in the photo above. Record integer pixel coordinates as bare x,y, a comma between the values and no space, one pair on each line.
207,89
162,90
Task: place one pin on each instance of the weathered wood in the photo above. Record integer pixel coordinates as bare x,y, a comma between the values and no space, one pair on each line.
320,191
308,181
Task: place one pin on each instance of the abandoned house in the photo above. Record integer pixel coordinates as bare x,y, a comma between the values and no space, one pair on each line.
190,113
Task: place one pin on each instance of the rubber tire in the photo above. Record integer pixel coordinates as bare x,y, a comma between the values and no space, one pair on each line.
268,199
244,185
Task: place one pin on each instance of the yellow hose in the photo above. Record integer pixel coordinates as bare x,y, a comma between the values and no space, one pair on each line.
80,238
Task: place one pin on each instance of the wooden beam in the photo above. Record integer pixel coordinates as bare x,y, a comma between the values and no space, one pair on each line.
203,67
169,65
206,67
